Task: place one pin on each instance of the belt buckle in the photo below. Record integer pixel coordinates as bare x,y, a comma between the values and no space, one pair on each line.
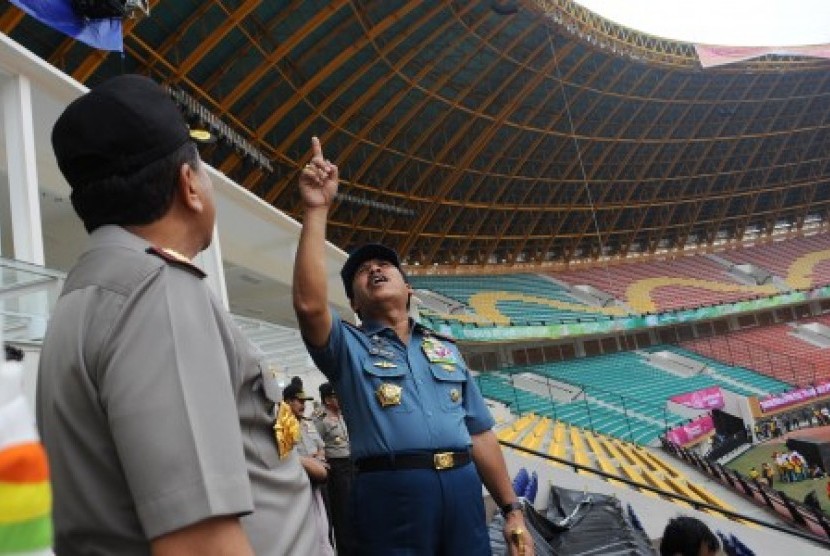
444,460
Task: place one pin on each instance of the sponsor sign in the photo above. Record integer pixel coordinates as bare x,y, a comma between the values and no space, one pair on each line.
688,433
794,397
708,398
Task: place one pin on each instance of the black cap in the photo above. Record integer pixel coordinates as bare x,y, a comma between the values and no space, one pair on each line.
362,254
326,390
117,128
294,392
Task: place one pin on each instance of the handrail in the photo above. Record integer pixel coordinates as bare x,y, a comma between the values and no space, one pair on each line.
697,504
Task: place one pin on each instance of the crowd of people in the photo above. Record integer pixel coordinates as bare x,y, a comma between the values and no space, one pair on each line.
778,425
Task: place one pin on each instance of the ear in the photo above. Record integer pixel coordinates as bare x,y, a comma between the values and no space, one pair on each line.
189,188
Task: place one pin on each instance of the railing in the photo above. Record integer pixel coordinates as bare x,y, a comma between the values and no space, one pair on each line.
627,405
696,504
775,500
27,294
742,353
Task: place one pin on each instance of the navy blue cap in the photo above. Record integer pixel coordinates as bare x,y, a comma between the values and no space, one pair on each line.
326,390
362,254
294,392
116,129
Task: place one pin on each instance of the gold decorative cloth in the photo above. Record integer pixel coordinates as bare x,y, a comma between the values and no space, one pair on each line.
286,430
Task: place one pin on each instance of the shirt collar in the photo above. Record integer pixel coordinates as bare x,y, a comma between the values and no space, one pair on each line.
116,235
371,327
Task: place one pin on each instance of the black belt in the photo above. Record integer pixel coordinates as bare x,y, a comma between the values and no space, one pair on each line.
439,461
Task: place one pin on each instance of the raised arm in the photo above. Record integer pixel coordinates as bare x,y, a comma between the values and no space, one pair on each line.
318,186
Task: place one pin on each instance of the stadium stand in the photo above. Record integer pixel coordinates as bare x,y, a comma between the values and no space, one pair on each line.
510,299
678,283
643,381
610,455
802,262
752,379
770,350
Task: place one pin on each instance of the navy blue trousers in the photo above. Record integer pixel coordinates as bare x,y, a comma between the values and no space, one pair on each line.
420,512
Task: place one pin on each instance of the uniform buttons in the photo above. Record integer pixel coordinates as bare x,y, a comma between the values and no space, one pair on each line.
429,413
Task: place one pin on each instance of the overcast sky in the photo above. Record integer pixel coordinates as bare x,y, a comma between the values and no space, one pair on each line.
723,22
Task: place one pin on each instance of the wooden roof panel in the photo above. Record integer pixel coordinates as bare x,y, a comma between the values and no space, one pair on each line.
514,138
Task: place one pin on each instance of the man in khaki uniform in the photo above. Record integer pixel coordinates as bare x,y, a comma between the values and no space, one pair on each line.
332,428
150,401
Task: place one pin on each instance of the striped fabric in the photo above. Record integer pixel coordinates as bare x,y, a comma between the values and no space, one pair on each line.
25,494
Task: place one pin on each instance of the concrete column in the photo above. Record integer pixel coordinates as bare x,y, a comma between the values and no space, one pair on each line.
24,197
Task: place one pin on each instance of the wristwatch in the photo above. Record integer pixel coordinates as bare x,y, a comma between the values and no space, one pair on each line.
507,508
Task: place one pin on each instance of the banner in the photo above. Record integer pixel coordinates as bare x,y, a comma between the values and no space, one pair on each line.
793,397
688,433
711,56
708,398
484,333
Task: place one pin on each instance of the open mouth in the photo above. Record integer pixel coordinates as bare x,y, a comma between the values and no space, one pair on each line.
378,279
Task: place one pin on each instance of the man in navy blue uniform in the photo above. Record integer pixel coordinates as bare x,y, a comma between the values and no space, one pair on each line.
421,435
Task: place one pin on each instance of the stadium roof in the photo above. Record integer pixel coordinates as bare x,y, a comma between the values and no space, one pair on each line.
473,132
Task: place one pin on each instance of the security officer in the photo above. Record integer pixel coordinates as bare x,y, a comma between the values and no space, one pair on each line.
416,417
150,400
335,435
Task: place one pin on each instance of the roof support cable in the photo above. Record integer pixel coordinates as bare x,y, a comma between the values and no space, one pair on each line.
572,129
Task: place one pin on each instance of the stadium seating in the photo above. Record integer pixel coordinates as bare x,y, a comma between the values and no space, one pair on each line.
510,299
802,262
770,350
751,378
656,286
621,394
617,458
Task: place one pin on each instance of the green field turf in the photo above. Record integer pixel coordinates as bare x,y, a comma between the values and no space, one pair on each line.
763,453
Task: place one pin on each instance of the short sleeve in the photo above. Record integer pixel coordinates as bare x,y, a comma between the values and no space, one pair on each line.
327,357
478,418
166,388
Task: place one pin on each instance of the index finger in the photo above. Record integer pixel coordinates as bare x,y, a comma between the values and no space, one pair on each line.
316,149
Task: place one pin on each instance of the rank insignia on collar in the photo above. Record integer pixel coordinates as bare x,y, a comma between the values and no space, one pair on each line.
447,367
385,364
389,394
455,395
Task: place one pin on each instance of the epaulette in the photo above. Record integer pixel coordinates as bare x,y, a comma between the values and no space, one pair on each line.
176,259
430,332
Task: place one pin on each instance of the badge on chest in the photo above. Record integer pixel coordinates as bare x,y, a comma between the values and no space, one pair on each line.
389,394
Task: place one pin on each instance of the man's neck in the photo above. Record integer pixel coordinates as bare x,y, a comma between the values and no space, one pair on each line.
396,319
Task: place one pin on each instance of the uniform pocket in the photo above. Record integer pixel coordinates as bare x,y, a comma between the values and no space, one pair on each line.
390,385
450,385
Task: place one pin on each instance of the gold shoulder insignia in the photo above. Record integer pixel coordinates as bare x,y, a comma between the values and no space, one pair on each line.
176,259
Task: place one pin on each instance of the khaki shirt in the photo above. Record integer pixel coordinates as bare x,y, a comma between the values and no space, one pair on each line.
151,407
332,429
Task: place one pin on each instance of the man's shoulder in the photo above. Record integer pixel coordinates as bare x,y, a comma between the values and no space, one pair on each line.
112,267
